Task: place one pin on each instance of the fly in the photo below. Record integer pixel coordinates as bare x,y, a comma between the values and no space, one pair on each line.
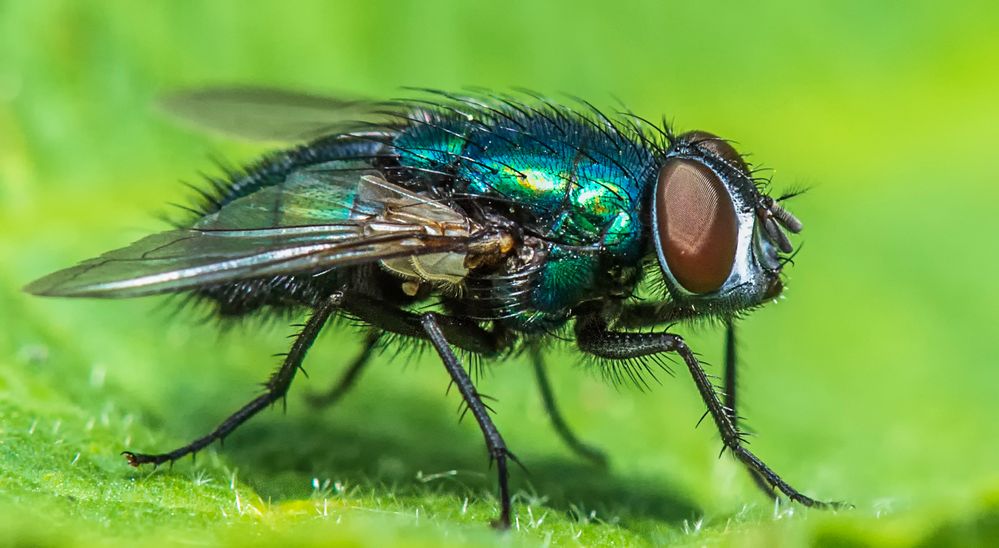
488,223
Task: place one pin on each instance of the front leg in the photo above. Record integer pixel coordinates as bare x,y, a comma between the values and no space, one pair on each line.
594,337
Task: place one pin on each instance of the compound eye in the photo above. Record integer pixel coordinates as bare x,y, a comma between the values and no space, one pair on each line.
716,146
697,225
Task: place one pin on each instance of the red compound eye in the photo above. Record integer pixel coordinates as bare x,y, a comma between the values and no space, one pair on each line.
697,225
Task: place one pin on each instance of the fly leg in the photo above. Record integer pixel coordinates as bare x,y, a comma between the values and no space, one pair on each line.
443,331
463,334
277,386
494,442
585,451
648,314
349,377
595,338
731,383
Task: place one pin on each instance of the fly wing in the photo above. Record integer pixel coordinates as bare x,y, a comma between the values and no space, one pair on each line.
269,114
310,224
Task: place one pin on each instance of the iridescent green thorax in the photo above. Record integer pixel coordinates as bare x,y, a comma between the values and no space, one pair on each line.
579,184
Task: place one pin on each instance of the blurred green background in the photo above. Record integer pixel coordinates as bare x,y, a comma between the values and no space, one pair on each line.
874,381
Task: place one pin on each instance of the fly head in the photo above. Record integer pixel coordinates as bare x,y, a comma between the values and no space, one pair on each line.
721,242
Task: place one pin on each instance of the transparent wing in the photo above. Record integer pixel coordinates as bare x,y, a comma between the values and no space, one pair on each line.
316,221
269,114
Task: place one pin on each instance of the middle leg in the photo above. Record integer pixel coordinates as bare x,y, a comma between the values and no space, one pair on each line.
494,441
